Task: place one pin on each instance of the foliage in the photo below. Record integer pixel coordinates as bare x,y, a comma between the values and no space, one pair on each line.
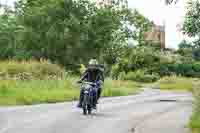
140,25
175,83
139,58
185,49
19,92
195,119
115,71
29,70
196,54
140,76
82,69
169,2
120,88
63,31
191,26
8,32
189,70
191,23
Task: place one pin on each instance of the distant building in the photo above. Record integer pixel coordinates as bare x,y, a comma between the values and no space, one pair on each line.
156,35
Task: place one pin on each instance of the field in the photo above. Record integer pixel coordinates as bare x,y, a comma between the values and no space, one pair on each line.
175,83
18,92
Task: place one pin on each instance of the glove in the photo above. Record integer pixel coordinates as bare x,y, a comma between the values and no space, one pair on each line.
79,81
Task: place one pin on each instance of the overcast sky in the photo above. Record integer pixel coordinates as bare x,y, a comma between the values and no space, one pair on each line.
171,16
155,10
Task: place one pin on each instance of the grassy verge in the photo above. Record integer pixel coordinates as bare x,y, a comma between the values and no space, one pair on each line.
185,84
120,88
195,119
18,92
175,83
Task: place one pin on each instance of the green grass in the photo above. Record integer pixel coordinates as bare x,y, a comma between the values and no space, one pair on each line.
18,92
185,84
175,83
195,122
34,82
120,88
195,119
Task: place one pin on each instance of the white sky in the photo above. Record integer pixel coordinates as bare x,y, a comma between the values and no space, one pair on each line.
169,15
156,10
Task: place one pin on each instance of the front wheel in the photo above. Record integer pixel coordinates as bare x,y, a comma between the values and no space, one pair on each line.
84,105
84,110
89,110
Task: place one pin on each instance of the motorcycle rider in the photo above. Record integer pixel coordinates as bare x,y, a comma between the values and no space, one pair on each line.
93,73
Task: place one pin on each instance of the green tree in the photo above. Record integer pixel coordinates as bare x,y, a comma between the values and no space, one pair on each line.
185,49
140,24
169,2
66,30
70,32
196,54
191,25
8,33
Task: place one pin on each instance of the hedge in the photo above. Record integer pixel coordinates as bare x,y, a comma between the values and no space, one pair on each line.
189,70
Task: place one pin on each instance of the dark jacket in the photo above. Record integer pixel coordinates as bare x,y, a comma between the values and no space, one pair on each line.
93,74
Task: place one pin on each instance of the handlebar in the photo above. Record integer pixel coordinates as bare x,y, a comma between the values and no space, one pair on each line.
90,83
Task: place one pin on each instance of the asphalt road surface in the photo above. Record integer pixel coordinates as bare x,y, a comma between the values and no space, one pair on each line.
151,111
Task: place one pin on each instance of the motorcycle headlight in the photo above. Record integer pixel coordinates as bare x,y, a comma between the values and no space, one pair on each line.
86,86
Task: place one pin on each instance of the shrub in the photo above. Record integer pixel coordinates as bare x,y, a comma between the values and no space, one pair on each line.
82,68
134,76
150,78
115,71
140,76
184,69
119,88
30,70
122,75
175,83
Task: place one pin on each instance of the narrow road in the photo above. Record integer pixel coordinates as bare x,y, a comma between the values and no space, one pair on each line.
151,111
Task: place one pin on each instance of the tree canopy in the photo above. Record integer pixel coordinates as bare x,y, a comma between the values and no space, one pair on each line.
69,32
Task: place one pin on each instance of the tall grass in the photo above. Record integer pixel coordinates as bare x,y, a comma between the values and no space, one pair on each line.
27,70
120,88
14,92
195,119
33,82
22,92
175,83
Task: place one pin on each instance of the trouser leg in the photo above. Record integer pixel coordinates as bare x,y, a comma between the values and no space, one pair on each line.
99,93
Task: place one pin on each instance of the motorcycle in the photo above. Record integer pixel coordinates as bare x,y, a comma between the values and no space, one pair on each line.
89,96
